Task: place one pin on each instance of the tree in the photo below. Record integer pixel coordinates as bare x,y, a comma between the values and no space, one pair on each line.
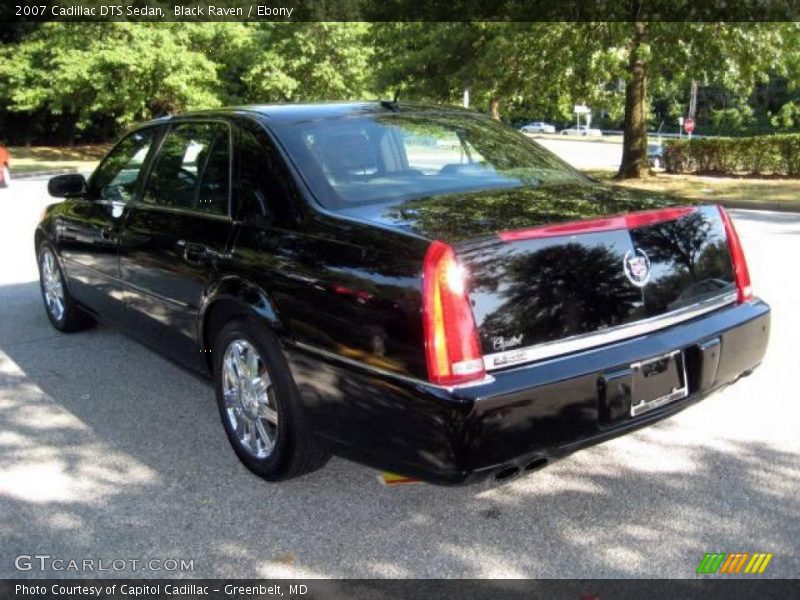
551,65
96,77
122,71
634,147
736,56
500,63
308,61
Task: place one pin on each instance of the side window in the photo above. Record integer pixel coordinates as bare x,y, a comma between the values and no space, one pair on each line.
437,150
192,169
215,178
116,177
264,186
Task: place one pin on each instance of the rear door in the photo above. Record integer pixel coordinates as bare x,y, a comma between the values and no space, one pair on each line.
175,237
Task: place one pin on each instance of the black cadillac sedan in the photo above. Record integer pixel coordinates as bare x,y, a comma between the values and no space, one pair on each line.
418,289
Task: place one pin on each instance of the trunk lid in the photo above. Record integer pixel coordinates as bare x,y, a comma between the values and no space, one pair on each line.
538,292
550,272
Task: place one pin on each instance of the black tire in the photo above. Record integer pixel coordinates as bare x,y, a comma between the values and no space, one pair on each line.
72,318
296,450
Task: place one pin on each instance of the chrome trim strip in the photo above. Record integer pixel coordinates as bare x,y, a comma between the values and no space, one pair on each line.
585,342
378,370
140,205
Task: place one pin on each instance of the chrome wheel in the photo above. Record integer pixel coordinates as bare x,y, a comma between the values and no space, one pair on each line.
249,398
52,286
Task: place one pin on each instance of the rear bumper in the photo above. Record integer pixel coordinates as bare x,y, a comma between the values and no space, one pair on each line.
525,416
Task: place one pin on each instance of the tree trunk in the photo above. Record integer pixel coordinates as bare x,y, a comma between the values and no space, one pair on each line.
634,145
494,108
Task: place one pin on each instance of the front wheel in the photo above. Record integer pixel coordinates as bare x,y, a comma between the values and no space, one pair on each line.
61,309
259,404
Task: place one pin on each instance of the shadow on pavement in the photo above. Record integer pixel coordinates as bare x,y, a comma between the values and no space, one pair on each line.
108,451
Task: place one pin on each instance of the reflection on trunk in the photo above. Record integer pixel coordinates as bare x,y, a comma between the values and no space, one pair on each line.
536,290
561,291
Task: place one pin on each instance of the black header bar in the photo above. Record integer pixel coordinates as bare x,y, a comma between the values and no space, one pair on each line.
399,10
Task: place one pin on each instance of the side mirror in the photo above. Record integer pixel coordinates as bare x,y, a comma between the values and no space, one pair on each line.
65,186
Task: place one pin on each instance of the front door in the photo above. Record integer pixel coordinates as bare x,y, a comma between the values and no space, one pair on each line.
175,237
88,230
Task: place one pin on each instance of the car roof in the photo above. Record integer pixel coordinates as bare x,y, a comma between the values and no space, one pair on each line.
296,113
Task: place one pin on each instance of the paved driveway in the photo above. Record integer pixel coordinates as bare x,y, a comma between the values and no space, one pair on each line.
109,452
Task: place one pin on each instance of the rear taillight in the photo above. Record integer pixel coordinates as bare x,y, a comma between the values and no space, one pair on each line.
451,339
740,273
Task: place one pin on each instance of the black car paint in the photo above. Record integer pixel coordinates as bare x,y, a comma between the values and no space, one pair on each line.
342,291
523,417
548,289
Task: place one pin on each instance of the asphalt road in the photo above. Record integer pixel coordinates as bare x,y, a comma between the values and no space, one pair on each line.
107,451
593,153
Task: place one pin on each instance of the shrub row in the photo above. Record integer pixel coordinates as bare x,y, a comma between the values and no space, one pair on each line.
759,155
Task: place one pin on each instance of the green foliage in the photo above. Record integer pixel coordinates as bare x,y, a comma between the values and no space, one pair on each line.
309,61
757,155
732,119
93,79
73,81
128,71
788,117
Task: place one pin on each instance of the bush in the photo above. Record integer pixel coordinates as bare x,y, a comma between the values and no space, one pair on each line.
758,155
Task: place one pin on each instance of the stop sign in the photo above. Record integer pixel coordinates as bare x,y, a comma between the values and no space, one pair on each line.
688,125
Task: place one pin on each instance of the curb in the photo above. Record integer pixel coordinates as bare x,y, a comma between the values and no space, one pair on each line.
572,138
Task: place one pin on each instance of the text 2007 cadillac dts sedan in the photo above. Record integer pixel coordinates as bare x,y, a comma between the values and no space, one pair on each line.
419,289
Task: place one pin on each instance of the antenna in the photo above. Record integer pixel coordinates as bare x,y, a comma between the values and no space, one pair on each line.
392,104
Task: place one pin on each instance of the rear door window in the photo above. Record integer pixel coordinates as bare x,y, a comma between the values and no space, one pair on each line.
265,190
192,169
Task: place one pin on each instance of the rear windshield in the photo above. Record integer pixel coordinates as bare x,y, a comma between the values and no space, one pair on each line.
360,160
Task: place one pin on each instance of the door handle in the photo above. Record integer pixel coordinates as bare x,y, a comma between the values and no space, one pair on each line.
193,253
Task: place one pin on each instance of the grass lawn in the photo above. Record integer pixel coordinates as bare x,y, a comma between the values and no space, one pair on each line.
31,159
768,193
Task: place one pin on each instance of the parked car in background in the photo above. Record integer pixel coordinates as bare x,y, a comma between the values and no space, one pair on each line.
420,289
582,130
655,154
538,127
5,172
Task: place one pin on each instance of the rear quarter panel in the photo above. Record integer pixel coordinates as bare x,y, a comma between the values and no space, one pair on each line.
341,287
340,290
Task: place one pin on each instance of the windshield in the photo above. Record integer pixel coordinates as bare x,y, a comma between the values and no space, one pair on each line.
359,160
